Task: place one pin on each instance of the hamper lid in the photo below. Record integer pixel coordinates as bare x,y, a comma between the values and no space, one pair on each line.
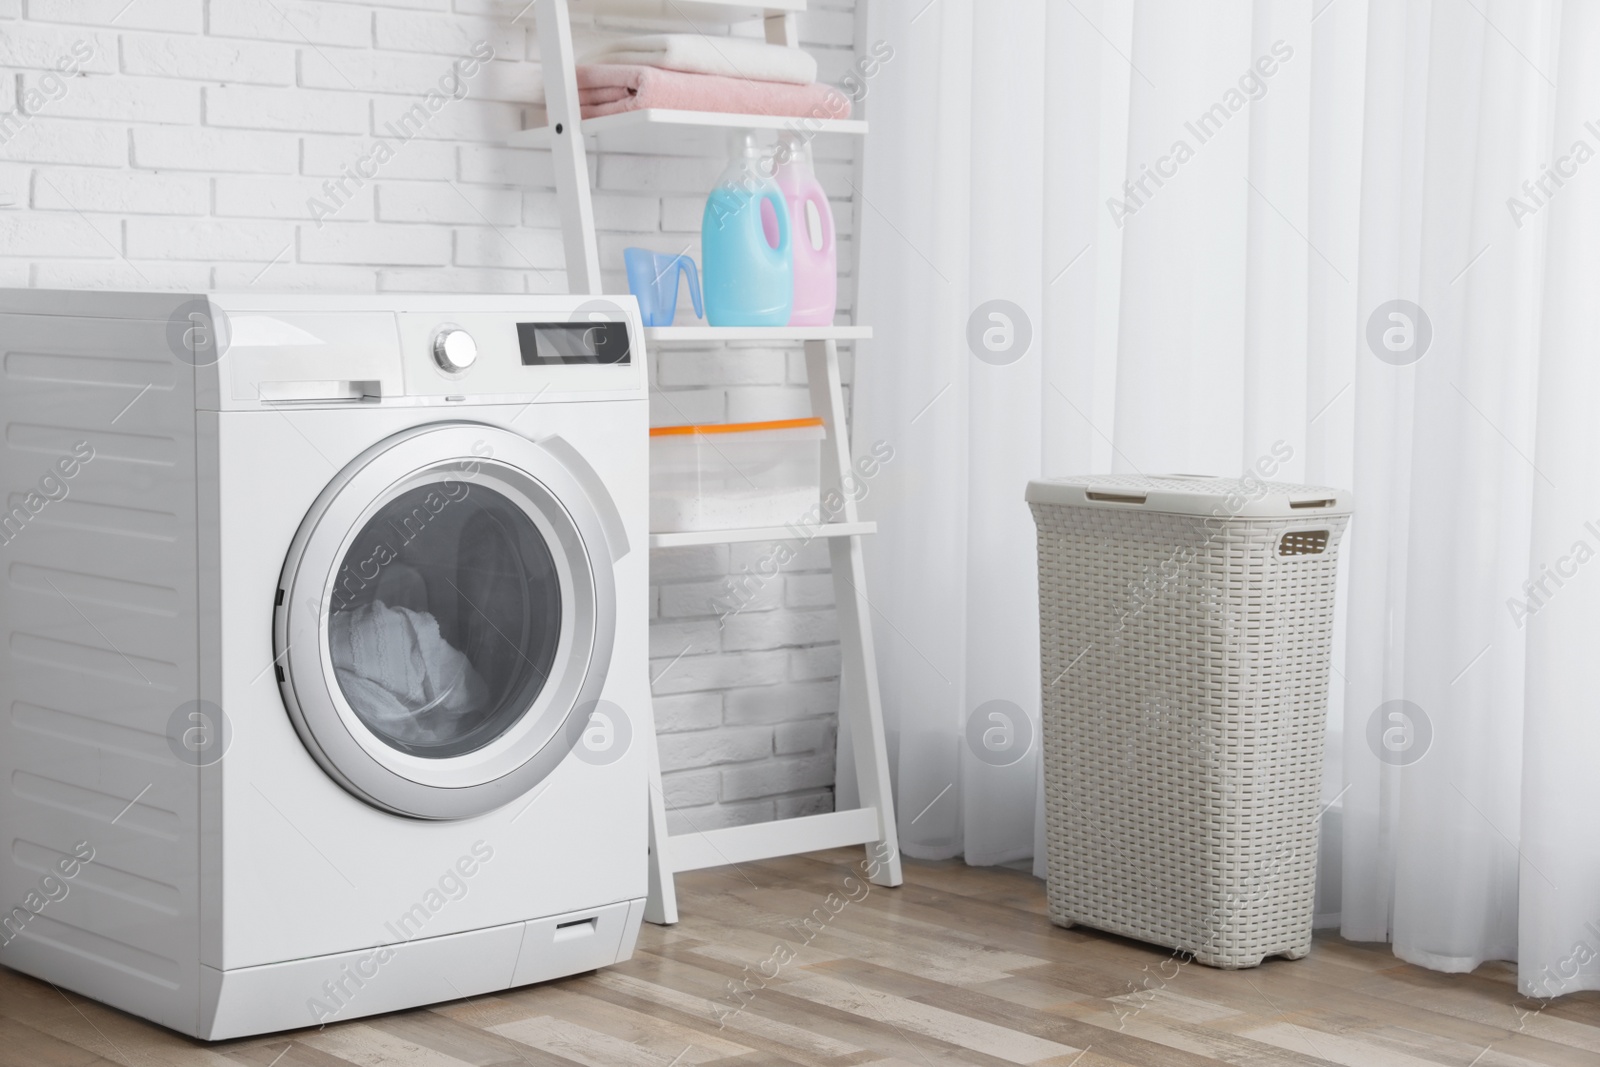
1192,494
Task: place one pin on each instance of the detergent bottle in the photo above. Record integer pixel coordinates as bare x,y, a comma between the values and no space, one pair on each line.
746,252
816,258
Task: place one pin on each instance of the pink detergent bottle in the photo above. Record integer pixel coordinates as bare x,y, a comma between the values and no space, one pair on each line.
816,257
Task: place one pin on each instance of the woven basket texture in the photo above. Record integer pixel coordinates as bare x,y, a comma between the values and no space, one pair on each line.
1185,677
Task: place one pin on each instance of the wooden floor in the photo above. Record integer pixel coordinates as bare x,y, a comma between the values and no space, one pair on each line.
959,966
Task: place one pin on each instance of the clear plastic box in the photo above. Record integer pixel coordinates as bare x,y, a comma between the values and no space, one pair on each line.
735,476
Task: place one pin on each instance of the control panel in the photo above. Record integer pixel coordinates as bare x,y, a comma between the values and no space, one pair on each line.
479,353
313,349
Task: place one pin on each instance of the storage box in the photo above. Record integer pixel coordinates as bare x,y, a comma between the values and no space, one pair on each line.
1186,627
734,476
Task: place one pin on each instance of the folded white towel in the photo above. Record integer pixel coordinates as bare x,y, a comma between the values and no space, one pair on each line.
401,676
730,57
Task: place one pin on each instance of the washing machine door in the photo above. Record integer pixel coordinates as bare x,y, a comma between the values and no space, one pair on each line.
445,618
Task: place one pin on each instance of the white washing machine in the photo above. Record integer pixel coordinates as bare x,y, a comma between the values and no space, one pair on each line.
325,689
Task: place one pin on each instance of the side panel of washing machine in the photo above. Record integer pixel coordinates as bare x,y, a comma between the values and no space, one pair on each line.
101,736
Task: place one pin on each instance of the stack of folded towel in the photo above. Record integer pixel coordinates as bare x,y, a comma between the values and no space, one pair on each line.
691,72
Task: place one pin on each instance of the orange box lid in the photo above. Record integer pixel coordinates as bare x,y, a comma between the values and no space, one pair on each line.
734,427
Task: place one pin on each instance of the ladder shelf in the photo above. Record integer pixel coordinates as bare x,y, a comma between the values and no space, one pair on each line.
769,334
662,131
761,533
695,12
860,709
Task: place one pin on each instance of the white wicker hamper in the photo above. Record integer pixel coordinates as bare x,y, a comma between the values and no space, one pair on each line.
1186,626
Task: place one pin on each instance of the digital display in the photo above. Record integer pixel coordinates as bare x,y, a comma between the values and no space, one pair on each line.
553,344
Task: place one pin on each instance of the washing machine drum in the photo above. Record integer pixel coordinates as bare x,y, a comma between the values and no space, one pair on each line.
445,619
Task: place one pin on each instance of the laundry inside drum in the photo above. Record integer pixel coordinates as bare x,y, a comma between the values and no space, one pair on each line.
445,619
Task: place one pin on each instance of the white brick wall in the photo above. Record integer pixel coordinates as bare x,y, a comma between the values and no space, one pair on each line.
184,157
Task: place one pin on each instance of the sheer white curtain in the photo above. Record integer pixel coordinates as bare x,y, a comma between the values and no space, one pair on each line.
1199,208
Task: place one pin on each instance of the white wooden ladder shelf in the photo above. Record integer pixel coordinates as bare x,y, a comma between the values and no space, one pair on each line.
860,710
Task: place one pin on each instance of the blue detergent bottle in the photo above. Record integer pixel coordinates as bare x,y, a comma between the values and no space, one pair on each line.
746,258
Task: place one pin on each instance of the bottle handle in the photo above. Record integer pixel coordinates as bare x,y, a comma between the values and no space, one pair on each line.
780,210
824,216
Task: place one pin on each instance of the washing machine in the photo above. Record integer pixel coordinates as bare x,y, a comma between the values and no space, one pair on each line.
325,688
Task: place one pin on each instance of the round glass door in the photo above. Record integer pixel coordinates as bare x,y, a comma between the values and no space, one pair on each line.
445,615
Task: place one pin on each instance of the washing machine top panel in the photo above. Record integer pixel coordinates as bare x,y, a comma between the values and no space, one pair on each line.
253,350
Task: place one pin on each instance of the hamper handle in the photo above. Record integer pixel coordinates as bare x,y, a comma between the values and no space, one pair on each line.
1303,543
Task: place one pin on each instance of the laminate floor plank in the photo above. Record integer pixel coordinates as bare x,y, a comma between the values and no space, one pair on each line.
1020,1018
953,956
687,1045
750,1028
367,1045
23,1046
1412,1027
103,1031
452,1037
914,1017
801,962
293,1052
868,1030
1042,1011
1558,1020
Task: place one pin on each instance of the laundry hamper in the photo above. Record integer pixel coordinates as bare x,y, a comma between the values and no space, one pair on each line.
1186,626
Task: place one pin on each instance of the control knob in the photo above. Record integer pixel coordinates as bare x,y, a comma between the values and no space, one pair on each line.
455,350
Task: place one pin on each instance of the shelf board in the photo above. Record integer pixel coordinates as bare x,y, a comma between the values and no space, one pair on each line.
760,533
774,334
661,131
722,11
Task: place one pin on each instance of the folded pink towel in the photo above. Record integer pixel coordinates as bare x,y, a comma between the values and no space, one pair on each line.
610,88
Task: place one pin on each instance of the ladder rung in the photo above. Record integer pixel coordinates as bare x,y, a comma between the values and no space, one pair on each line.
765,840
764,533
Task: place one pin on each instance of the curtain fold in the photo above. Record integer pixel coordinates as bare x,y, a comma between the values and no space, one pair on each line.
1558,918
1312,241
915,209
